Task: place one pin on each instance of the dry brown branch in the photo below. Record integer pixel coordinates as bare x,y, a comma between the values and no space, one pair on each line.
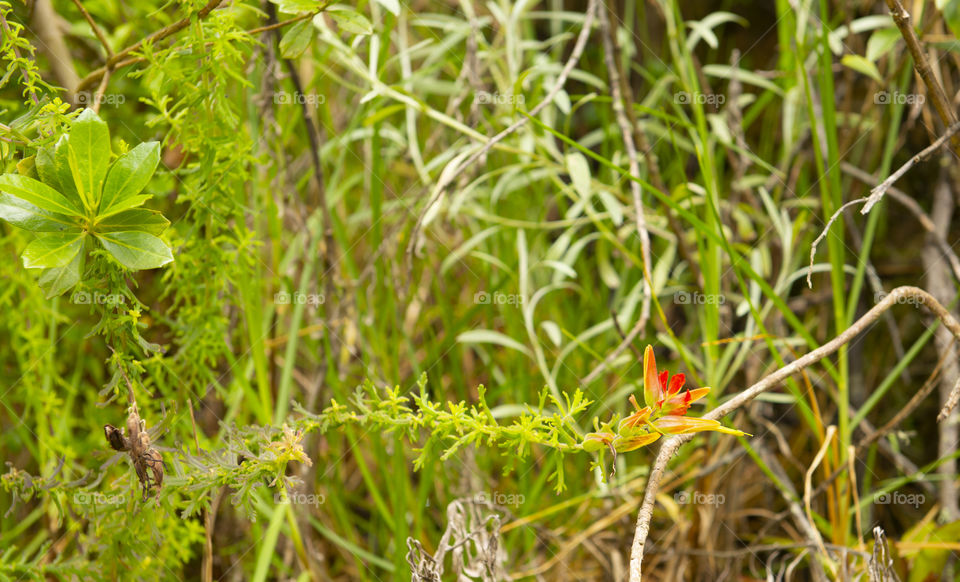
120,57
671,445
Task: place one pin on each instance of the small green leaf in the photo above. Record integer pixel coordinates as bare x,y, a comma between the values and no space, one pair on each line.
62,169
59,279
488,336
579,171
881,42
47,167
348,19
136,250
52,250
297,6
129,175
89,155
296,40
131,202
141,219
22,214
37,193
862,65
393,6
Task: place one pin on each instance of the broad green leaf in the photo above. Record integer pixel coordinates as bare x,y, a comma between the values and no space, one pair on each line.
141,219
488,336
47,167
296,40
89,155
862,65
297,6
52,250
951,13
37,193
62,169
131,202
348,19
579,171
393,6
22,214
28,167
129,175
59,279
136,250
882,42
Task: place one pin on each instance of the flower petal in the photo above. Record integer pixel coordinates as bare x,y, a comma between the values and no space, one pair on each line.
623,444
676,383
681,425
651,381
680,403
635,421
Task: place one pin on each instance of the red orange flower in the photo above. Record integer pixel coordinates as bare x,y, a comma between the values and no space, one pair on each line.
663,414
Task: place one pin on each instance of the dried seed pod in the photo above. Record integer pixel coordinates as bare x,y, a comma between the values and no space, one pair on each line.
115,437
144,457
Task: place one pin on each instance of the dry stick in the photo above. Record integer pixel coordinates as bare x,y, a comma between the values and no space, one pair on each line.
96,29
940,101
670,446
613,73
808,483
878,191
454,168
117,59
910,204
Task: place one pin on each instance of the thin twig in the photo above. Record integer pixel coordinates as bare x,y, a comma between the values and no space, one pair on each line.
96,29
940,101
910,204
117,59
626,130
877,192
670,446
455,168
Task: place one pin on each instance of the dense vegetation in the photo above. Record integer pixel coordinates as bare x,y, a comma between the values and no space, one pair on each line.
315,291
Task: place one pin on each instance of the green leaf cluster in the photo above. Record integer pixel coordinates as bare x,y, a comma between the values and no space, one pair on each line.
70,194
